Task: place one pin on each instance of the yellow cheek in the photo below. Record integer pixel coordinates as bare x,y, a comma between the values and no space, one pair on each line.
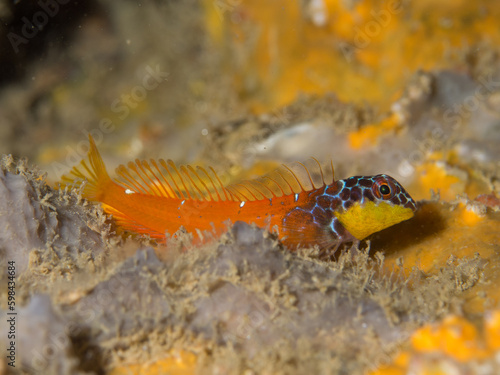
363,220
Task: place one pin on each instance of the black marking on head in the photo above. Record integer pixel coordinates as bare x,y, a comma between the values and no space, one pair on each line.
355,194
347,204
321,216
332,190
365,182
395,200
336,202
324,201
338,228
350,182
345,194
367,193
403,199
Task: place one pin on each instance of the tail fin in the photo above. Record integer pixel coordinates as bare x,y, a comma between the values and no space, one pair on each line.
90,171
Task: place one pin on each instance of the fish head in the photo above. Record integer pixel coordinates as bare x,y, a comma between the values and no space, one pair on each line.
373,203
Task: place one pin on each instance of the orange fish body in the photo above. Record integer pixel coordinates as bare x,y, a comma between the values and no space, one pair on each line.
157,198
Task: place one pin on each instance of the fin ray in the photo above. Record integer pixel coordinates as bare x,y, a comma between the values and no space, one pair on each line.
127,223
165,179
90,173
284,180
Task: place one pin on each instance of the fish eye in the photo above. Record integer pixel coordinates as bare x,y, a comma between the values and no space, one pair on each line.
384,189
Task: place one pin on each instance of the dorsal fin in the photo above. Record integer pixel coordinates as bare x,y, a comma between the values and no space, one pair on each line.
285,180
164,179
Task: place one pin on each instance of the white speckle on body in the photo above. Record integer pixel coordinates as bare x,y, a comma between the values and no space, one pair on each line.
184,201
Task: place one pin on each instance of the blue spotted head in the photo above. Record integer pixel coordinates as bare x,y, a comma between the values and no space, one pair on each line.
369,204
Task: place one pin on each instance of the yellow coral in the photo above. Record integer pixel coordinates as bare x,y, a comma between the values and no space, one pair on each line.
455,338
177,363
492,330
370,134
438,176
469,215
362,50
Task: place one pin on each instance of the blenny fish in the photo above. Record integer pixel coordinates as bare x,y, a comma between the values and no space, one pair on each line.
158,198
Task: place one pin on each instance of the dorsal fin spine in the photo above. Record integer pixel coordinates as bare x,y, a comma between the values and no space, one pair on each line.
212,181
186,173
237,189
237,194
165,179
177,191
224,190
133,166
284,178
162,192
232,196
152,185
122,170
193,171
281,182
163,183
250,191
320,170
265,187
296,179
277,184
308,175
186,189
173,191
